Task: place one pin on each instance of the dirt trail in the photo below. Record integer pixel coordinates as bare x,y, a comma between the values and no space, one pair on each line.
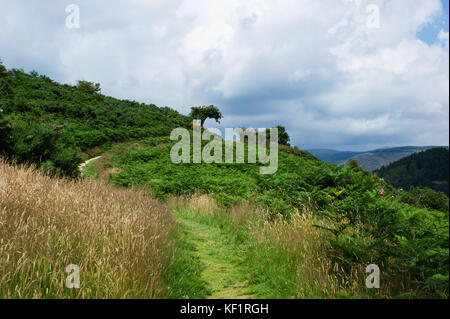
82,165
221,262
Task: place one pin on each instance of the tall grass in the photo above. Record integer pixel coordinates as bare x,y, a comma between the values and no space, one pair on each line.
292,259
119,238
282,257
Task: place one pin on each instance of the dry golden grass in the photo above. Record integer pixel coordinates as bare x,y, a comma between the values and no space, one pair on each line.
199,202
119,238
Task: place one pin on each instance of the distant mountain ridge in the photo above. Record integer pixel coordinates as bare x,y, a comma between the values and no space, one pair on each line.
371,160
333,156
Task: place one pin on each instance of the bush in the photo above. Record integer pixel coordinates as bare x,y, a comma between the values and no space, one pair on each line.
89,87
425,198
372,226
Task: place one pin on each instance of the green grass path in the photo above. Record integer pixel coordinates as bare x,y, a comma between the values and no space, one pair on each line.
220,259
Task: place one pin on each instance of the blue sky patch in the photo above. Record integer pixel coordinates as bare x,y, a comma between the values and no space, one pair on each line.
429,33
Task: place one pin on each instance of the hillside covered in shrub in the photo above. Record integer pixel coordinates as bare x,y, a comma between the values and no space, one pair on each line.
47,123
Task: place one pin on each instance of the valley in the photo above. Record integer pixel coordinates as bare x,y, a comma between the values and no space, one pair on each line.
370,160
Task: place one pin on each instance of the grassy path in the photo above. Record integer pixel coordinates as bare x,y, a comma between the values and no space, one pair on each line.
220,259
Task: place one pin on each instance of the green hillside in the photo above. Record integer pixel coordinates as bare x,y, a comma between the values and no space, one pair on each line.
47,123
366,221
375,159
424,169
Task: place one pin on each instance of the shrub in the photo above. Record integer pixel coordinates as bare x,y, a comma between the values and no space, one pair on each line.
89,87
425,198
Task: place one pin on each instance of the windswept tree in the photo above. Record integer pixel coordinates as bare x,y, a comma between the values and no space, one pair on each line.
283,136
203,113
89,87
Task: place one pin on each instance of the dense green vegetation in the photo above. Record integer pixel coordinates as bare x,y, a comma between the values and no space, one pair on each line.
424,169
47,123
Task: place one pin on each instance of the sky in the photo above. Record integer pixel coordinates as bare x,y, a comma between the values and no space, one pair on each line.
341,74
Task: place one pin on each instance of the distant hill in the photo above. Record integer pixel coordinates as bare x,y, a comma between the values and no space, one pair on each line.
333,156
370,160
424,169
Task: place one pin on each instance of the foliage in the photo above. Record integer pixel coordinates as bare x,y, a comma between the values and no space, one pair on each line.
88,87
377,227
425,198
48,124
283,136
352,163
424,169
203,113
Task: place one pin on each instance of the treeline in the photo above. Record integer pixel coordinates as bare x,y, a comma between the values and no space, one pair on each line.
425,169
48,124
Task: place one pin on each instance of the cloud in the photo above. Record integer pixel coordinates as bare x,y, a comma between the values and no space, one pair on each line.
444,38
316,67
